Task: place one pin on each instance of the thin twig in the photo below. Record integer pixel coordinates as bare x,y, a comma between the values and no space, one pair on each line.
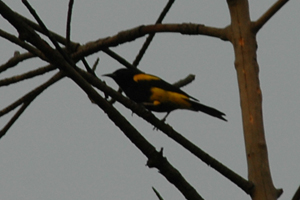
15,60
68,29
118,58
14,118
27,75
95,64
157,194
297,194
59,38
185,81
32,93
21,43
47,32
151,36
26,100
87,67
257,25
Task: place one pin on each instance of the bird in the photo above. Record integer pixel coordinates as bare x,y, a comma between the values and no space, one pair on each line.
157,95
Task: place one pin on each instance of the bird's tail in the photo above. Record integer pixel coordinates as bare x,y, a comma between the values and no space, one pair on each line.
208,110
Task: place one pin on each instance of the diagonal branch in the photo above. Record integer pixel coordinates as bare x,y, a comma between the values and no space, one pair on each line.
68,29
31,94
297,194
118,58
27,75
157,194
26,100
169,131
257,25
73,46
47,33
14,118
21,43
140,31
16,59
155,158
151,36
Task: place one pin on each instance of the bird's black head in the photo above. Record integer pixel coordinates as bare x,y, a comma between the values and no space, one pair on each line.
123,76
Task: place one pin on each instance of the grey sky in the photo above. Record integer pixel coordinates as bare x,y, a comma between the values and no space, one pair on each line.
64,147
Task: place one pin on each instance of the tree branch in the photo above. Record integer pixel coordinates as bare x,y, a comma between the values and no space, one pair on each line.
27,75
169,131
183,82
118,58
68,29
21,43
157,194
15,60
297,194
57,59
26,100
140,31
245,45
257,25
151,36
72,46
14,118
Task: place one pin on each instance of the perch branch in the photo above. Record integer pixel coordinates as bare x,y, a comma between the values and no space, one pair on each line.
169,131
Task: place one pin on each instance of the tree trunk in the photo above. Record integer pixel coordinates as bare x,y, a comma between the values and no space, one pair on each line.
243,39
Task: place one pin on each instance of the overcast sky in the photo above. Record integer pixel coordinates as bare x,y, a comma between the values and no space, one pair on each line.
64,147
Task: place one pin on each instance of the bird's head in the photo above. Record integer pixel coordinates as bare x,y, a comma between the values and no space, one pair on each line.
123,74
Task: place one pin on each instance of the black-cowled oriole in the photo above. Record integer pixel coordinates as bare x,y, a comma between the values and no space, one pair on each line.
156,94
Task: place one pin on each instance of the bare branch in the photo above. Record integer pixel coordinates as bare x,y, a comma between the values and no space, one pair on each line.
151,36
57,59
95,64
297,194
68,29
27,75
87,67
169,131
21,43
73,46
245,46
140,31
14,118
15,60
118,58
157,194
26,100
268,14
185,81
32,94
47,32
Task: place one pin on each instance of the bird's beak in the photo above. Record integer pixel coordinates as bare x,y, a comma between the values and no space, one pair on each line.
110,75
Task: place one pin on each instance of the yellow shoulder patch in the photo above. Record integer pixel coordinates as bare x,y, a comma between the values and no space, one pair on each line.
144,77
162,96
